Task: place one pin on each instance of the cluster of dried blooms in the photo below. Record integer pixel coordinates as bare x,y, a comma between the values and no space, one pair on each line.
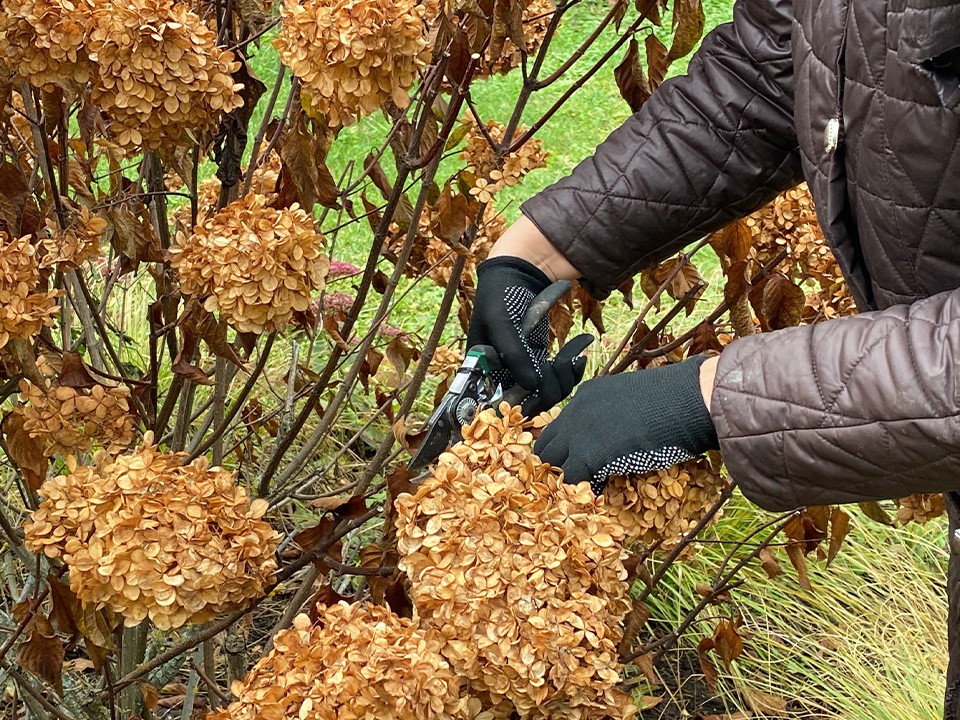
920,508
790,221
445,361
481,158
432,257
536,20
663,505
356,661
160,71
149,537
24,309
80,242
521,574
353,55
254,264
154,66
44,41
71,420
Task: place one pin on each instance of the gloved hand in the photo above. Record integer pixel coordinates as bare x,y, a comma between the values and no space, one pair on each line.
505,288
630,423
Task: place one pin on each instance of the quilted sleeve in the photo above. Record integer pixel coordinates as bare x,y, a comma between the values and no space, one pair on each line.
860,408
706,148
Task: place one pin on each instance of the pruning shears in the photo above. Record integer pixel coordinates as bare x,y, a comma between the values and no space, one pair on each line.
475,388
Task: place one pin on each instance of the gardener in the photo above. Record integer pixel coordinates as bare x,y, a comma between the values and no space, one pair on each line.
861,100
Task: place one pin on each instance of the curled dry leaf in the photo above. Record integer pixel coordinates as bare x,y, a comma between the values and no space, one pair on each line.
521,573
254,264
355,661
146,536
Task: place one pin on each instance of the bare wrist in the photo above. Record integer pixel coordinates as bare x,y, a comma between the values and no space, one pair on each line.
524,240
708,376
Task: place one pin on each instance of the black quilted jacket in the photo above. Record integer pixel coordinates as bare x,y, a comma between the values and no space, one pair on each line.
862,99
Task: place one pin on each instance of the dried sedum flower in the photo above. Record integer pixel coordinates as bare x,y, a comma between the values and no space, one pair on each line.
357,661
44,41
920,508
79,243
149,537
664,504
254,264
353,55
160,72
521,573
23,310
70,420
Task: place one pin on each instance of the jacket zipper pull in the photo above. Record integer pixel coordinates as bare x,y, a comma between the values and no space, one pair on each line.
831,135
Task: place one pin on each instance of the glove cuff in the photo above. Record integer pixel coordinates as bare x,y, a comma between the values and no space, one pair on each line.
700,432
528,269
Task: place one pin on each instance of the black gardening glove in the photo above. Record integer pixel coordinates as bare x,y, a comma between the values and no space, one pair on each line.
631,423
506,286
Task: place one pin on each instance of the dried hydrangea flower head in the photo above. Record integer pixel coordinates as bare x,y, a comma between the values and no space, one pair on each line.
536,21
433,257
78,243
481,158
521,573
665,504
150,537
353,55
256,265
357,661
920,508
44,41
74,420
159,72
23,310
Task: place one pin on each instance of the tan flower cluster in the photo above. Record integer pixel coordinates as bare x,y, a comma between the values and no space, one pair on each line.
23,310
44,41
790,221
665,504
72,420
353,55
160,71
79,243
358,662
149,537
536,21
521,573
481,159
432,257
446,361
254,264
920,508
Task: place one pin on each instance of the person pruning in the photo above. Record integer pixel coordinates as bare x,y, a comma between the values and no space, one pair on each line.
861,100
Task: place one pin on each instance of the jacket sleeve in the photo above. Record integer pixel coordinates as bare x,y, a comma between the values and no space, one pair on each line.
705,149
854,409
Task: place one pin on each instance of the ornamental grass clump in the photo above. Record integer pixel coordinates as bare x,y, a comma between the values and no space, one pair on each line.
357,662
255,265
521,574
353,55
149,537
